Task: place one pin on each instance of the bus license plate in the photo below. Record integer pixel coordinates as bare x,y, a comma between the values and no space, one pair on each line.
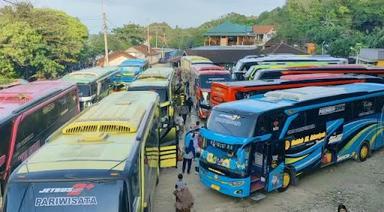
215,187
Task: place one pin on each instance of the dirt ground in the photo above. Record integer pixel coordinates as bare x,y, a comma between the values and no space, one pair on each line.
358,185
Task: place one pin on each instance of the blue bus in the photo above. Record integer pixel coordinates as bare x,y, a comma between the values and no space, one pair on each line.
265,143
128,70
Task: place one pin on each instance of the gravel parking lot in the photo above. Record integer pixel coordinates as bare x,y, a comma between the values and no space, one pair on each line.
358,185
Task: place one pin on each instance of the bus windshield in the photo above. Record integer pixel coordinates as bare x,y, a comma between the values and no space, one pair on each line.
131,69
231,124
206,80
86,90
5,135
66,196
163,94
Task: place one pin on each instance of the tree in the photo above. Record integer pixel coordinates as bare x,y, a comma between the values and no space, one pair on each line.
132,34
52,41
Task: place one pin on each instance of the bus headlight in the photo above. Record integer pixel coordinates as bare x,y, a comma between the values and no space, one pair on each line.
237,183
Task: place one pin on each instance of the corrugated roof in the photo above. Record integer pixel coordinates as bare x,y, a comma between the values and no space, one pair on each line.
231,29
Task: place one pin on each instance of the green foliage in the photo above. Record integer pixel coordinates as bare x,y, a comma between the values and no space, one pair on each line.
337,24
39,43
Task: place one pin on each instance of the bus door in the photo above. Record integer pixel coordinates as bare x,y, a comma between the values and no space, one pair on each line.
258,167
275,165
169,144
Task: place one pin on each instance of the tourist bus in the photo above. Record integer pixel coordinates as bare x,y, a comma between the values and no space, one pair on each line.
105,159
252,71
335,69
127,72
28,115
187,62
7,83
93,83
222,92
265,143
200,85
162,80
243,65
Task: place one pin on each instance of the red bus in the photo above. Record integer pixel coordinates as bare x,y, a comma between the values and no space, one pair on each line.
29,113
231,91
203,76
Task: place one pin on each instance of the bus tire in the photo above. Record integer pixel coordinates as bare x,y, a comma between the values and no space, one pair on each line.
363,152
287,180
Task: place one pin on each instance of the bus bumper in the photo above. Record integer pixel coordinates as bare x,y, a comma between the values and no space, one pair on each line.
239,187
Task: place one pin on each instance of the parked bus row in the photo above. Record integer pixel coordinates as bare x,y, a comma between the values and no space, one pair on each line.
305,113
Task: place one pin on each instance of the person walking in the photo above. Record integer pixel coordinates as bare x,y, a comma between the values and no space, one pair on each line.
189,152
196,146
189,103
184,199
184,112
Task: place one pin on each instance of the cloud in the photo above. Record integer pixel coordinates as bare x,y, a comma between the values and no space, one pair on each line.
184,13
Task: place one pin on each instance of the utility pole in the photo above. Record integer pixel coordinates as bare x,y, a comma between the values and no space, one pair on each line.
149,45
156,39
105,28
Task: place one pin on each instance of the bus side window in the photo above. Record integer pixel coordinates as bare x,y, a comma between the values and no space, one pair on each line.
5,137
263,125
364,107
379,104
135,178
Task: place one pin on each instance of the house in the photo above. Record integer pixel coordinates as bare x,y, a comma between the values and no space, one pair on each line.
371,56
143,52
263,33
229,34
115,58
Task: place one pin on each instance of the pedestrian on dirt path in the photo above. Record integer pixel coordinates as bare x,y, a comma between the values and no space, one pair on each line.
189,152
184,200
184,112
342,208
196,146
180,184
189,103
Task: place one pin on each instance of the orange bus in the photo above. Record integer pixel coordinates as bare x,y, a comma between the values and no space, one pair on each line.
236,90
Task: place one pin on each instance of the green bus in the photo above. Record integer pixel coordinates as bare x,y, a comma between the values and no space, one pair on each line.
162,80
105,159
93,83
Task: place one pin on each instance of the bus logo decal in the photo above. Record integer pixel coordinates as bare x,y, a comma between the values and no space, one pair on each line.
65,201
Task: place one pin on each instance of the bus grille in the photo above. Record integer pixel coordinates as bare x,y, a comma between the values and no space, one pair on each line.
78,128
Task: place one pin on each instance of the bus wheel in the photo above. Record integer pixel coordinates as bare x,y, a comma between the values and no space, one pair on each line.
363,152
287,179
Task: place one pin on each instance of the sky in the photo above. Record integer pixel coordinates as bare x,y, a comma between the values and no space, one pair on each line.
183,13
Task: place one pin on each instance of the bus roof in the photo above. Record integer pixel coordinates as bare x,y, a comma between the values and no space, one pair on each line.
336,67
150,82
291,57
197,59
89,75
288,97
213,72
15,99
207,67
133,62
106,135
293,78
157,73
